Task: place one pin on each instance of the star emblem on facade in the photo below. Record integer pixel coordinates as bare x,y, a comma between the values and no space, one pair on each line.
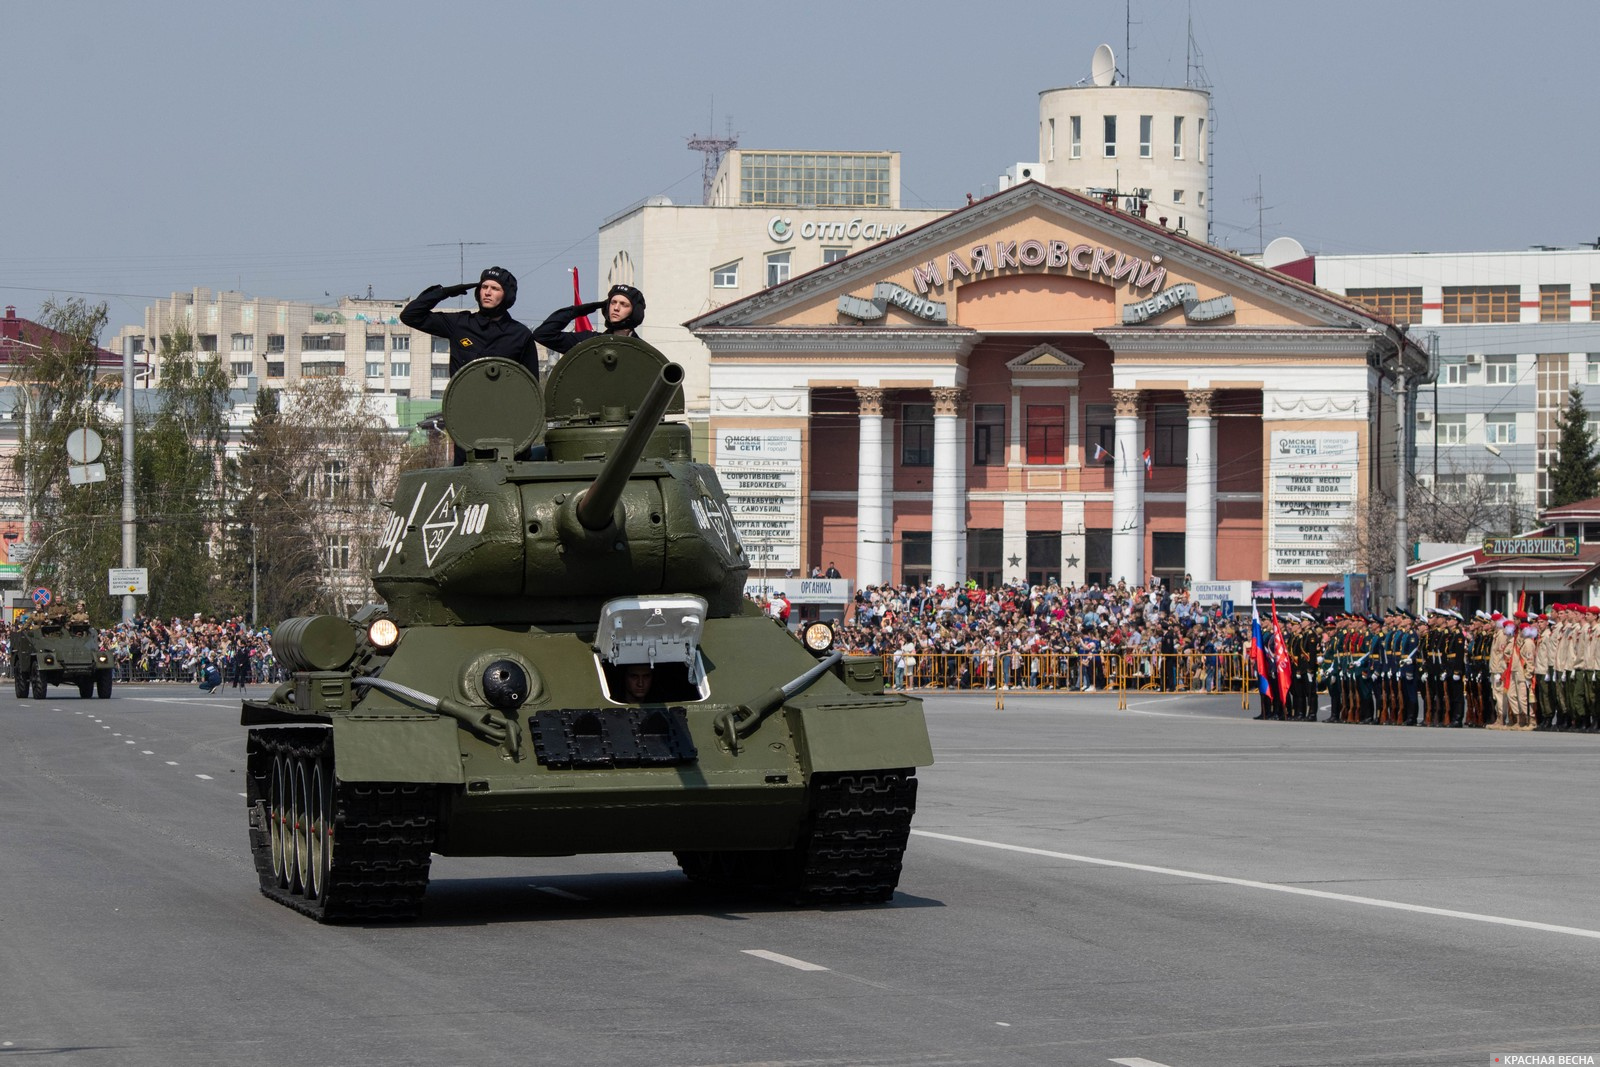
1072,561
1013,560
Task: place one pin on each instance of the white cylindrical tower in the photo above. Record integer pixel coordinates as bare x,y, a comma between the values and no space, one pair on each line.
1127,138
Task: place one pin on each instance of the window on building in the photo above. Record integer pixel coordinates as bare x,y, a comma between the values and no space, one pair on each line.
1591,369
136,345
1111,136
1050,158
1177,137
1075,148
1555,303
988,435
1482,303
1167,556
1097,555
1452,429
916,435
1177,196
1500,370
322,342
1200,141
338,552
333,479
1146,123
441,346
834,255
726,276
1200,198
322,370
777,268
1171,445
400,342
1100,428
375,370
816,179
1500,488
401,393
400,370
441,372
1454,373
374,342
1396,305
1046,433
208,342
275,369
243,369
1500,429
274,342
242,342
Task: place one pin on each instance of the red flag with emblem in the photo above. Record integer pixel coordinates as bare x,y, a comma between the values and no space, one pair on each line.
1280,654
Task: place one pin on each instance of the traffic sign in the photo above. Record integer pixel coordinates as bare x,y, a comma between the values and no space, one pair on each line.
83,446
19,551
41,597
130,581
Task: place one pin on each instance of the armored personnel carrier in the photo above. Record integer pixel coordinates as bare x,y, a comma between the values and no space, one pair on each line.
56,650
564,662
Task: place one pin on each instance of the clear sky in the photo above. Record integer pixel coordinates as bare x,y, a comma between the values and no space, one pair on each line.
294,149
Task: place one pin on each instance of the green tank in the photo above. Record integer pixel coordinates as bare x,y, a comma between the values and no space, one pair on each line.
57,650
564,662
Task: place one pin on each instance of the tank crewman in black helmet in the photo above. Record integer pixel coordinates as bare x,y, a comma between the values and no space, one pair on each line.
623,308
489,331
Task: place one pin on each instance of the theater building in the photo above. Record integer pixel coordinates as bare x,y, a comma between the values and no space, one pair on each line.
1040,387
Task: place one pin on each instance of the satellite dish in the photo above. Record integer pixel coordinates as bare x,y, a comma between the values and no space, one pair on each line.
1103,67
83,446
1281,250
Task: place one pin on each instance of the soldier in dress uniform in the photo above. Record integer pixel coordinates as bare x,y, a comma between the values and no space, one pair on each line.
1500,651
1453,662
1407,646
1524,668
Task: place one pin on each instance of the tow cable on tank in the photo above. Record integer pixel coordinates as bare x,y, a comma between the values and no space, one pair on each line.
493,728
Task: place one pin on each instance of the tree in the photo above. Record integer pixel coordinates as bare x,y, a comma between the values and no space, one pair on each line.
181,472
76,528
318,466
1573,476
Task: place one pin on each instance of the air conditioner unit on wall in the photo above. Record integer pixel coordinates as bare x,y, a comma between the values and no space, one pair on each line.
1474,358
1424,416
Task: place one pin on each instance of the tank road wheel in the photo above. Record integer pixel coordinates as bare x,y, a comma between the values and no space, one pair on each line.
849,853
86,689
102,683
334,850
278,811
40,688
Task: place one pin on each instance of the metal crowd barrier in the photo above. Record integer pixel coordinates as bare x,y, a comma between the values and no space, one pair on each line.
1110,671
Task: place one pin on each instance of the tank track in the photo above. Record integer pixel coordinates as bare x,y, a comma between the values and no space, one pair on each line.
849,852
379,836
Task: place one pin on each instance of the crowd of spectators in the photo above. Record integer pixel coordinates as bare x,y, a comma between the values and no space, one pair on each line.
1044,636
228,651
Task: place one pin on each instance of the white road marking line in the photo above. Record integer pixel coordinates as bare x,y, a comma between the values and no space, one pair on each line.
129,742
787,961
1136,1061
1246,883
116,735
146,752
172,763
562,893
245,795
207,777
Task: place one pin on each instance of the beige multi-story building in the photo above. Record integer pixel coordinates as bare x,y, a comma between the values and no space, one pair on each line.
277,342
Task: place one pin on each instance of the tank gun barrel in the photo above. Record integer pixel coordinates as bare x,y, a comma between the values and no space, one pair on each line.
599,501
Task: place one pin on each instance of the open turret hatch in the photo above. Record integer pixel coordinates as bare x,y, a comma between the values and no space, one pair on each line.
604,379
494,406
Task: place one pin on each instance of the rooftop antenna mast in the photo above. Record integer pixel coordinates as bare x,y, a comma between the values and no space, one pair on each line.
1196,79
461,251
713,149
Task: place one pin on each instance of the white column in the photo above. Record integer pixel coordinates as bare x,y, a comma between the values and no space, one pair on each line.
1127,491
1200,491
872,534
949,481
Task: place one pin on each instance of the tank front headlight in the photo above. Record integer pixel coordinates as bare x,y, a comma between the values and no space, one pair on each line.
383,633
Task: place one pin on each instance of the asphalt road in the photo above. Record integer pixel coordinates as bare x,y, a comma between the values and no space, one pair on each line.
1170,884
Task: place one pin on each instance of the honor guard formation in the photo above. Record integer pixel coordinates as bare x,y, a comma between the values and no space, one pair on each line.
1524,672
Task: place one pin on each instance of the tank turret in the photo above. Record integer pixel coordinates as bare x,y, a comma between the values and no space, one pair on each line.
612,504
